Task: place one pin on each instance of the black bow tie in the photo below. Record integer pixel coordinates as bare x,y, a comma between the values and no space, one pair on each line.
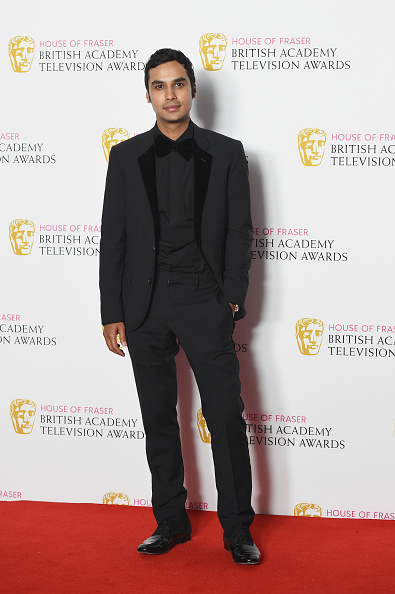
164,146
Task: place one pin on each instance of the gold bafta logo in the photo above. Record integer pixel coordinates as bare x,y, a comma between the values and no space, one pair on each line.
22,236
112,136
23,415
21,51
116,499
308,510
212,49
309,333
204,433
311,143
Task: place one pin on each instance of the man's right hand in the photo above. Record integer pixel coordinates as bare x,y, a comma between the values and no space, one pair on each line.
110,332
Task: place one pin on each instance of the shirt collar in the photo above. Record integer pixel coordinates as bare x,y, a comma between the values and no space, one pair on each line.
189,133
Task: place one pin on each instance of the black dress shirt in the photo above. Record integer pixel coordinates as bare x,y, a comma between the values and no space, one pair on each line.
175,183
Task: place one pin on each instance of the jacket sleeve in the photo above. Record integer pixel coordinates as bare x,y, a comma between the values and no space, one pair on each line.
113,244
239,232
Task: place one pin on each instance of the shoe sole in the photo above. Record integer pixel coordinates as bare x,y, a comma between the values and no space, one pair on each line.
179,541
227,548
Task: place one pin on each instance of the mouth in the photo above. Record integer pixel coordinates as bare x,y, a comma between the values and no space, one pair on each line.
172,107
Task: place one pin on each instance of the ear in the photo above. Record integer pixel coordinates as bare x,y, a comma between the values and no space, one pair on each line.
194,91
148,97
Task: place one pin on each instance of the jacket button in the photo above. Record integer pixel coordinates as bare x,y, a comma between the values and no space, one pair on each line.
149,281
154,247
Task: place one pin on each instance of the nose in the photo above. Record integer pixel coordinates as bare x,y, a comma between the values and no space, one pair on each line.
170,93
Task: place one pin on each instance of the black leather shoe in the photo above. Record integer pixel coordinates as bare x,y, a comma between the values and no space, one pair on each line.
243,549
162,541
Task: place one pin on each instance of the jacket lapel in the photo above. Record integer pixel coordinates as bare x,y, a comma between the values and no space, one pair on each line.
203,162
148,173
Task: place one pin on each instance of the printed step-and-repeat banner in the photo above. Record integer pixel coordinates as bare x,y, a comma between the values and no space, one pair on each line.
308,88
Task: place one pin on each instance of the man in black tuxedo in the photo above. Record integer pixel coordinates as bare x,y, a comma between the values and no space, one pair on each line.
174,262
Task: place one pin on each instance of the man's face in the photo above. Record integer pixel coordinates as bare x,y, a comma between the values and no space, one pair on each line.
213,54
21,56
312,149
23,418
310,339
170,93
22,239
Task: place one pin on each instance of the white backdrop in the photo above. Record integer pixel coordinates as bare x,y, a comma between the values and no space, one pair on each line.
320,417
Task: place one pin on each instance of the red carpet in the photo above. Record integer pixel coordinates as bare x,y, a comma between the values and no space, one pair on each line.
86,548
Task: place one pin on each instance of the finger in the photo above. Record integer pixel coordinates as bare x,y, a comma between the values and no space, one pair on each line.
122,336
112,344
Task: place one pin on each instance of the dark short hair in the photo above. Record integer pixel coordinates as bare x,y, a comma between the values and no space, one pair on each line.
166,54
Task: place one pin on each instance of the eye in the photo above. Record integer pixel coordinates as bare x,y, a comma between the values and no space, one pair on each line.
179,84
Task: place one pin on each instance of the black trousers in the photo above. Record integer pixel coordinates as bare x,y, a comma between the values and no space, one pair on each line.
188,309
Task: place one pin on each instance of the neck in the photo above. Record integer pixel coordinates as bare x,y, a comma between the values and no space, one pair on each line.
173,130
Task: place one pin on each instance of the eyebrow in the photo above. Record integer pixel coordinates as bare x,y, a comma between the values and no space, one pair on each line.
180,79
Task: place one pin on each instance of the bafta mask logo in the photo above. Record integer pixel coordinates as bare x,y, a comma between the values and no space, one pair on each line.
112,136
21,236
21,51
212,48
23,415
311,143
204,433
309,333
308,510
116,499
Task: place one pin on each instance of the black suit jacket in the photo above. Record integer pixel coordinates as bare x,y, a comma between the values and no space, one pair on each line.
129,232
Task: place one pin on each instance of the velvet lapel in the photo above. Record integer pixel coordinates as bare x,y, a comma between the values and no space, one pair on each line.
148,173
203,162
202,175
